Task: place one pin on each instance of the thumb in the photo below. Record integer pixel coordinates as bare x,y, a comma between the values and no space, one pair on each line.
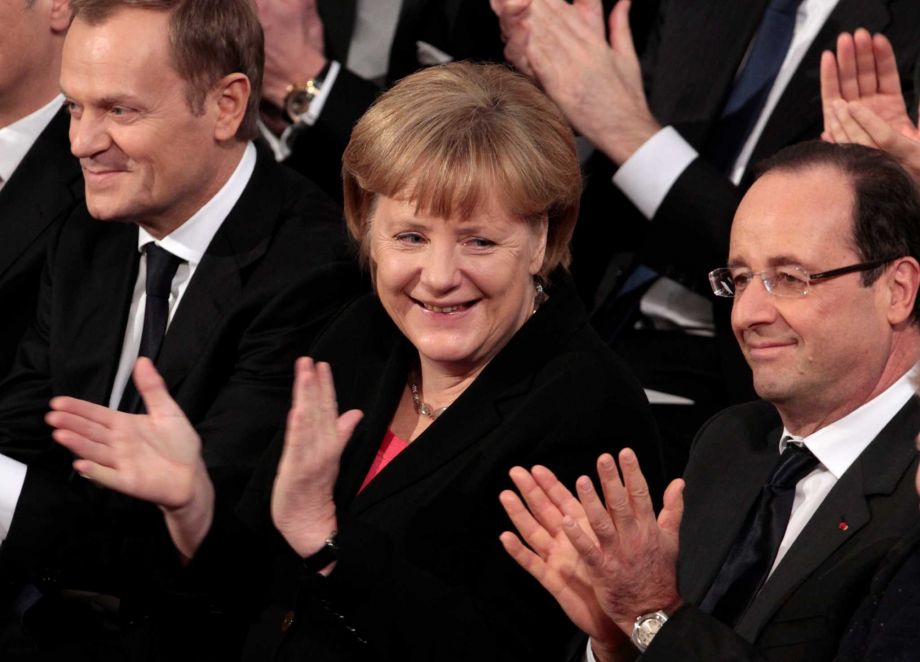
346,424
152,390
673,510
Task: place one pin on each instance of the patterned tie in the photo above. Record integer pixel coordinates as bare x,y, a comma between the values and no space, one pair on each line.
751,557
753,84
161,268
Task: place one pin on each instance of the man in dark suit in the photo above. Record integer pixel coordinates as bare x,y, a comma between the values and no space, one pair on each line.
792,503
217,264
40,181
346,52
666,125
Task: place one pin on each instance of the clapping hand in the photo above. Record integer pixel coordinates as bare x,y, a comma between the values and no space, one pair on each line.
302,505
595,82
610,559
862,99
154,456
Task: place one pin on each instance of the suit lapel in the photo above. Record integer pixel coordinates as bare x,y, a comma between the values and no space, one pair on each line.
877,471
800,105
45,185
216,285
705,551
97,308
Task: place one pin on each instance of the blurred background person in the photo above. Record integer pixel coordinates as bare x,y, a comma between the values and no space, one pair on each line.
474,355
720,86
40,181
327,60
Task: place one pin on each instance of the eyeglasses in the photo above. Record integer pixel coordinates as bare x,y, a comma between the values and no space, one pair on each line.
786,281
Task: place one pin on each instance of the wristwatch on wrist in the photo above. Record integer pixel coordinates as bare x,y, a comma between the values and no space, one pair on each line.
646,627
298,96
320,559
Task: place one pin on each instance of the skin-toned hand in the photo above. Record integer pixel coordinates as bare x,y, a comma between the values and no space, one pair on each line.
294,45
634,562
626,556
549,556
853,122
598,85
155,457
512,19
302,507
864,70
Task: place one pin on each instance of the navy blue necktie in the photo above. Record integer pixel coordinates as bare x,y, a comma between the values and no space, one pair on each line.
161,268
751,557
753,83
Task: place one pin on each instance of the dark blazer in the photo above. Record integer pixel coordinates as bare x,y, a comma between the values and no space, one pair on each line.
803,609
42,192
275,272
884,628
464,29
421,573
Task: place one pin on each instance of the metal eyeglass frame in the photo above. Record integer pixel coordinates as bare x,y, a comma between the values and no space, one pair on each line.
719,288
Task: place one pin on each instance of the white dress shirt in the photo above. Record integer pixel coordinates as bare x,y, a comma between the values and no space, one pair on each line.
17,138
837,446
189,242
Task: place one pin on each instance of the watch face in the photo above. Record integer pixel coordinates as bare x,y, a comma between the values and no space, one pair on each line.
647,631
297,103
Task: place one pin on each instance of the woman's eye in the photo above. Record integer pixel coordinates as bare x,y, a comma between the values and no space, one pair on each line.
479,242
409,238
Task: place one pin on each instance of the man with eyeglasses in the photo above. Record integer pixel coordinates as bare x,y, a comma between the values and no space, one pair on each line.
791,502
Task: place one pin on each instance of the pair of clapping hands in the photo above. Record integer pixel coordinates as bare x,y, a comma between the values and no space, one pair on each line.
157,457
862,100
603,563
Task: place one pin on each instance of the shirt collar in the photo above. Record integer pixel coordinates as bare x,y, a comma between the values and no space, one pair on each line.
839,444
17,138
191,239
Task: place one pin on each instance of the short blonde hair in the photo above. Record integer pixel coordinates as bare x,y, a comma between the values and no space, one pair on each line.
448,137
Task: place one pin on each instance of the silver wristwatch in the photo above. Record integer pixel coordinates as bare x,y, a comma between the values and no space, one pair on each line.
646,627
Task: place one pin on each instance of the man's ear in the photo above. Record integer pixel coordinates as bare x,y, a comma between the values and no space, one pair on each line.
61,15
903,281
232,98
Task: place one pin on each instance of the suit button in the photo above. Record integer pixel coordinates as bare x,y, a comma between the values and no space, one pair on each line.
287,621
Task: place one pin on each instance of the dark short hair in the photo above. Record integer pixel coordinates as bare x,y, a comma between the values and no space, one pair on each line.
448,136
209,40
886,210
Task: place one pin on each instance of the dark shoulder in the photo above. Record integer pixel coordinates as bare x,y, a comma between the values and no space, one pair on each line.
750,420
360,332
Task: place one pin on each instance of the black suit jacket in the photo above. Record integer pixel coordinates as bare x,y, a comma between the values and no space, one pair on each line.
42,192
274,273
884,628
692,57
464,29
421,573
802,610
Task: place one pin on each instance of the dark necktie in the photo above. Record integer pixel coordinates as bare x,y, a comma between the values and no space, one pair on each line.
161,268
751,557
753,84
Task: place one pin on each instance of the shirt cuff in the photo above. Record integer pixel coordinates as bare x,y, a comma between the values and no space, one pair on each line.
12,477
647,176
316,105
